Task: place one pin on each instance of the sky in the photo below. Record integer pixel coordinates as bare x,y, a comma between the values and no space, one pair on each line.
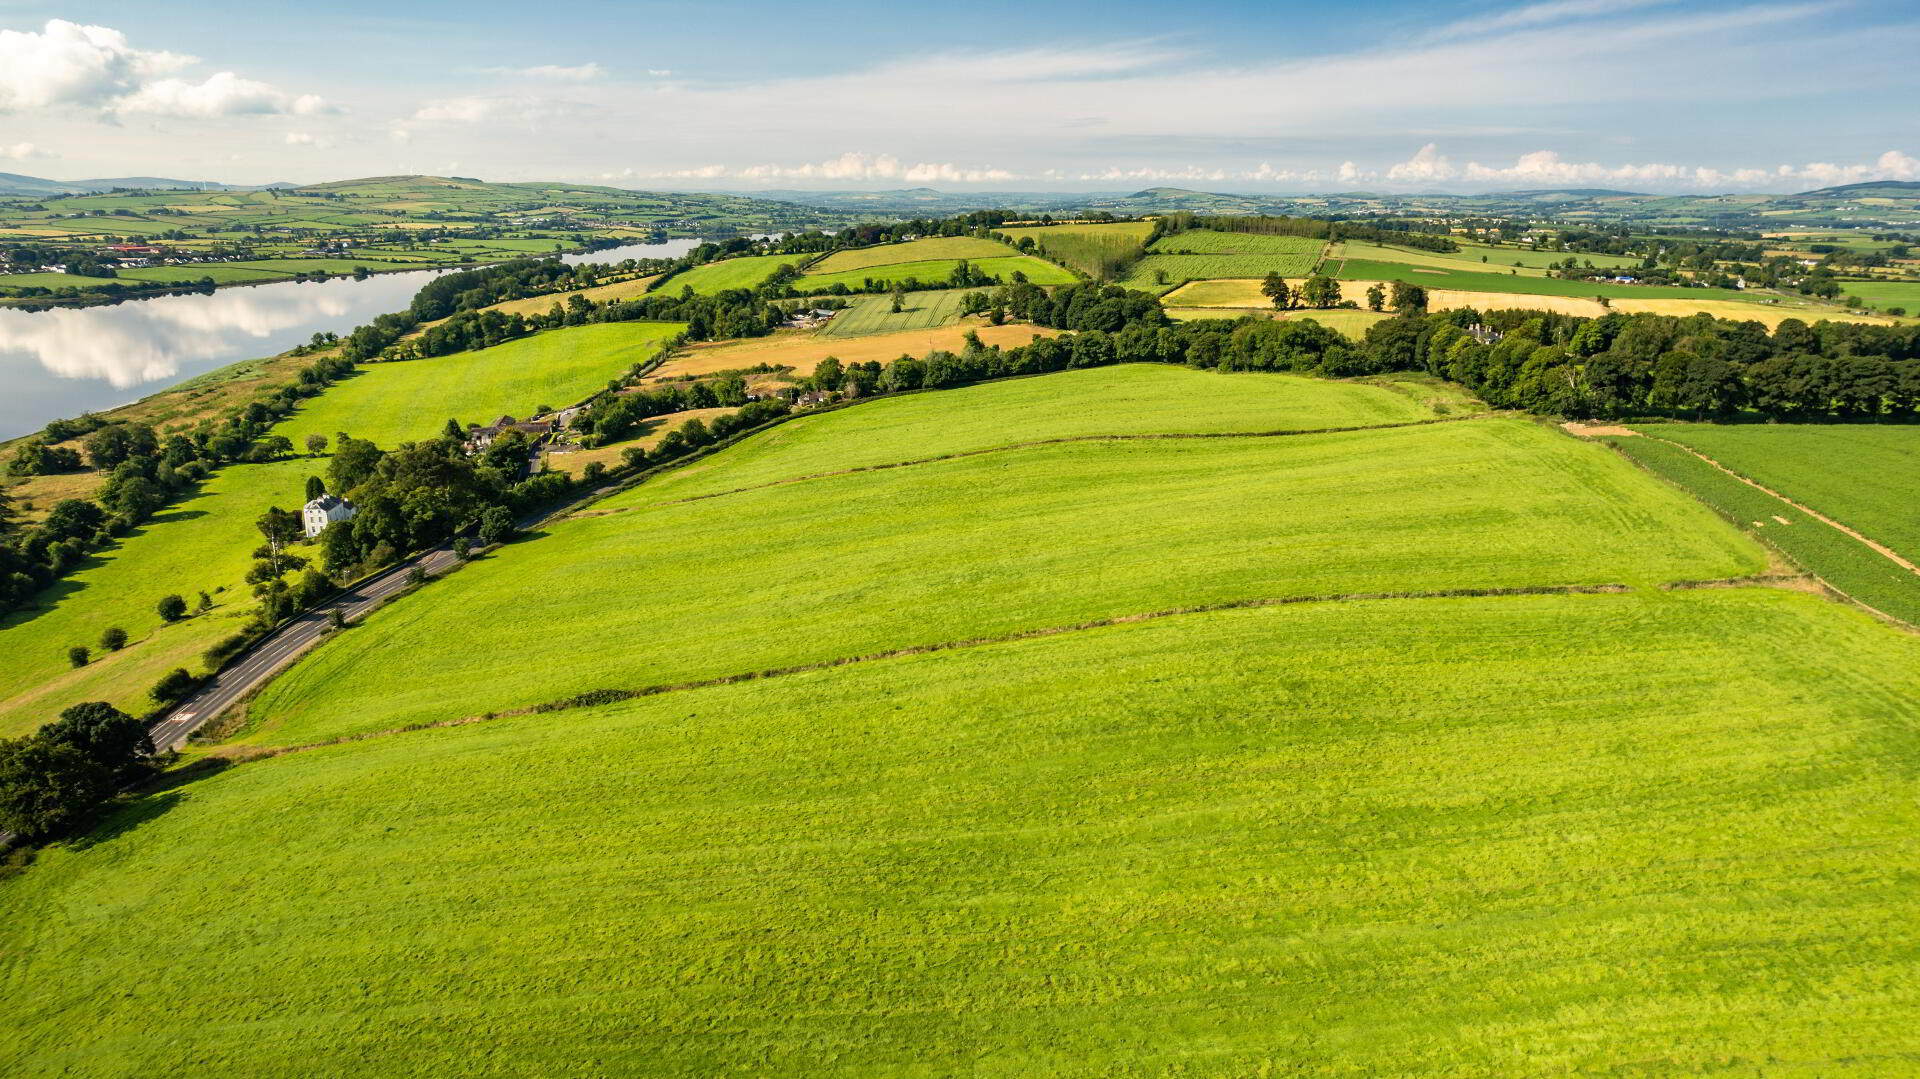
1231,95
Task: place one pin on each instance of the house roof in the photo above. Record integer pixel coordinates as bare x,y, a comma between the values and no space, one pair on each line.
328,501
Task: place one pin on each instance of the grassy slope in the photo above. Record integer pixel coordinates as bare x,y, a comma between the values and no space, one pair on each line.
1127,399
1841,561
931,250
392,403
1878,293
1038,271
871,561
1651,835
715,277
204,543
1865,476
918,311
804,351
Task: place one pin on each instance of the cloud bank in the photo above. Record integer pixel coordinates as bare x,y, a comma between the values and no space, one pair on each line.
95,69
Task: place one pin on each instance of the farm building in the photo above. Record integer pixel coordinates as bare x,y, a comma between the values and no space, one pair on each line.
323,511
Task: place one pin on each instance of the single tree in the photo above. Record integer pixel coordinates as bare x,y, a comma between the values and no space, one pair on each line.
172,686
1275,289
316,444
315,487
78,655
109,737
113,639
171,608
463,547
899,299
496,525
1376,297
337,617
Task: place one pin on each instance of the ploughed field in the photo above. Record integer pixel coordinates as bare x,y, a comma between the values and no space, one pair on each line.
1258,753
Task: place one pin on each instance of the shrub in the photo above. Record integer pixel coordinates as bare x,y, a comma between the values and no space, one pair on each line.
114,639
78,655
171,608
175,684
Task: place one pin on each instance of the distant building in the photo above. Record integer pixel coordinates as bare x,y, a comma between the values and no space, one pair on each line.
480,438
325,510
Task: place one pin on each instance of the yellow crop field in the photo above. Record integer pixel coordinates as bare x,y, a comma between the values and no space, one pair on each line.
536,305
803,352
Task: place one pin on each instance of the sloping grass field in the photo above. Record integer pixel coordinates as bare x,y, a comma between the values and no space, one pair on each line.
407,400
1841,561
935,249
1866,476
1141,814
1080,531
1092,248
205,543
933,271
918,311
1475,281
1494,837
1129,399
745,272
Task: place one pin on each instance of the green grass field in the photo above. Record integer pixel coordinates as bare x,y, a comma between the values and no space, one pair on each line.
1606,835
406,400
1093,249
1124,400
1866,476
746,272
918,311
1473,281
1179,269
1079,531
930,250
1038,271
1843,562
203,544
14,281
220,273
1881,294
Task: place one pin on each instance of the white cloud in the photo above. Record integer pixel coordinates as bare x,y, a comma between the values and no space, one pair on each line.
1543,14
22,151
580,73
1546,168
660,72
304,138
222,94
67,65
847,168
523,109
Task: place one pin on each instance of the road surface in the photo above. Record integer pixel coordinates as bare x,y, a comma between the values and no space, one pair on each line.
286,644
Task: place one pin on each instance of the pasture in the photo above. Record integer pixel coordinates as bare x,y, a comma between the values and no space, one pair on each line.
1866,476
408,400
748,271
1881,294
937,272
1621,834
203,544
1079,531
804,351
1095,249
918,311
934,249
540,305
1473,281
1351,323
1128,399
1841,561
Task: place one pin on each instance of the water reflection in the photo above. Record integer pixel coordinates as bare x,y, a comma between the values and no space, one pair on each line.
68,360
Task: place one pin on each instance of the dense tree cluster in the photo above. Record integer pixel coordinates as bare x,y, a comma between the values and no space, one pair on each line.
69,768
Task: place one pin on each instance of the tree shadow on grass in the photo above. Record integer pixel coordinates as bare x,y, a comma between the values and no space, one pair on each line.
51,597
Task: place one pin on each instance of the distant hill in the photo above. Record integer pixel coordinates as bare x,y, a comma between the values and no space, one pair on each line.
15,183
1884,189
1576,192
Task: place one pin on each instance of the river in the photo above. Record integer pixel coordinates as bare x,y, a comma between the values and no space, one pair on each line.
68,360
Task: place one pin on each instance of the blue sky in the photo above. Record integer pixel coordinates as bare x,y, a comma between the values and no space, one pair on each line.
1389,95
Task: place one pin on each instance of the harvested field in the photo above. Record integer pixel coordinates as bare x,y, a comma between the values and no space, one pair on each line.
802,351
540,305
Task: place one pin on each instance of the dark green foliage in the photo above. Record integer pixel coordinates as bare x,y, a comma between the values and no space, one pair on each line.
171,608
46,785
79,655
113,639
172,686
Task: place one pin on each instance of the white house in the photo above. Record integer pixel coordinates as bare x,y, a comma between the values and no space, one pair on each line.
325,510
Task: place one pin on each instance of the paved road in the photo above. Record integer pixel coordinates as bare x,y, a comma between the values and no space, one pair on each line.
291,641
284,645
